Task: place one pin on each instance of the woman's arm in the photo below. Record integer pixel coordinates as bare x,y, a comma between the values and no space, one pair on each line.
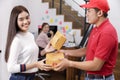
47,49
14,66
40,65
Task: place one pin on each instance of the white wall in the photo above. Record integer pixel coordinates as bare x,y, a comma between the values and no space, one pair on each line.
0,44
4,15
113,13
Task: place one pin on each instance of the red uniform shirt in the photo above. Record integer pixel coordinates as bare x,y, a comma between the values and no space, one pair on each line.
103,44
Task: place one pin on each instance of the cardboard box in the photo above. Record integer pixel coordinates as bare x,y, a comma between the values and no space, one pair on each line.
58,40
53,58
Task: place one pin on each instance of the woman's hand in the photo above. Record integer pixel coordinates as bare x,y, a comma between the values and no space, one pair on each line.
49,48
51,32
41,65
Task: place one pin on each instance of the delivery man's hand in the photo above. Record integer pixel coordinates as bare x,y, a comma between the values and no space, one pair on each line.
62,65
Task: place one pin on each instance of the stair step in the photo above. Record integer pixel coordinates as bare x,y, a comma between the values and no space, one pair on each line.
77,22
55,1
73,16
50,2
52,11
69,15
44,6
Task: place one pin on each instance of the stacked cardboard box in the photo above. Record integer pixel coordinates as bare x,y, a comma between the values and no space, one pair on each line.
57,42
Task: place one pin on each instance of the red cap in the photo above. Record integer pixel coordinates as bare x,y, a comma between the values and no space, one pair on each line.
100,4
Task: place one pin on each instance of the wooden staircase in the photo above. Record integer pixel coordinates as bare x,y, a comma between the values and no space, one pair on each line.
69,15
66,22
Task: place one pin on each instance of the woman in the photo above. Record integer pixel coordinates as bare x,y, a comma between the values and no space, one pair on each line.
43,38
21,50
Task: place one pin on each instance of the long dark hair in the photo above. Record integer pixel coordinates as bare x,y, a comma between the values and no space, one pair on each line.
13,27
44,24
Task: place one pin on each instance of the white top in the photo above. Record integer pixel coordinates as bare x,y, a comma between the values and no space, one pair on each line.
23,50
